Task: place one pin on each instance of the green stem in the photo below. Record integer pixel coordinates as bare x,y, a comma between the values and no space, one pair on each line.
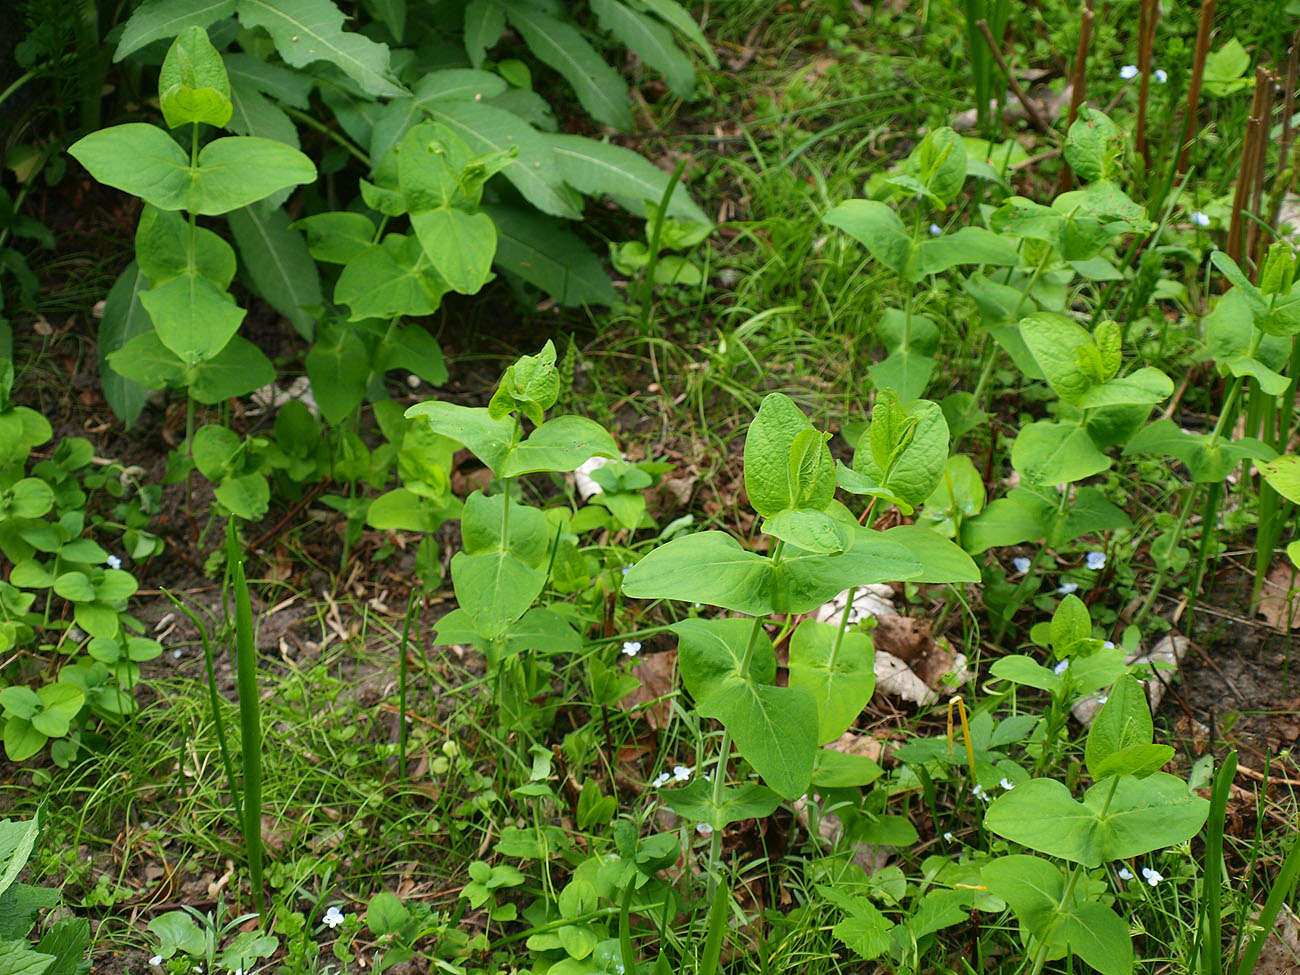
1163,571
314,123
401,684
656,233
249,718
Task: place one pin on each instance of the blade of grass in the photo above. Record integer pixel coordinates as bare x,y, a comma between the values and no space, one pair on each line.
250,721
1211,921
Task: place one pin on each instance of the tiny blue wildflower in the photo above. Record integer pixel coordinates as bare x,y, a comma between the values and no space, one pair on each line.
935,230
114,562
1200,219
1128,72
631,648
1160,75
1125,873
1152,877
1096,561
333,917
1066,588
681,772
704,829
1061,667
1021,564
1007,784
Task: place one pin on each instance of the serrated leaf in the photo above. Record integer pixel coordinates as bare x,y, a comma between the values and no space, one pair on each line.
599,87
279,263
305,31
599,168
157,19
651,41
540,251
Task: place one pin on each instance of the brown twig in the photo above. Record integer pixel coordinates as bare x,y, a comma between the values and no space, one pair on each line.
1250,773
1288,109
1246,176
1078,84
1031,110
1263,84
1198,75
316,490
1147,16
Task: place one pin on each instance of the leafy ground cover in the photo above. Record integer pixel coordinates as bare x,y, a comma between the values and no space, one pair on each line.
522,487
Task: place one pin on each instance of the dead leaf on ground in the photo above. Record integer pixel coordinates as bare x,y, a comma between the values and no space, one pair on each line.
657,673
1280,612
1281,952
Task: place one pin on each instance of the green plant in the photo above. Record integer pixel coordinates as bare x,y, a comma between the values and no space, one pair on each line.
62,947
82,620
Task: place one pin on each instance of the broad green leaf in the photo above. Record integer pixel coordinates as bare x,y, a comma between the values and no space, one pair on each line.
810,529
916,458
337,237
777,479
682,21
245,496
1141,815
1283,476
940,161
530,534
458,84
695,801
1071,624
941,561
837,669
485,20
1053,339
192,83
905,370
145,360
710,652
599,88
536,172
254,114
495,589
74,586
338,366
139,159
878,228
843,770
124,319
1123,721
1225,69
238,170
1094,146
163,250
177,931
16,957
215,449
1056,453
415,350
1207,462
460,245
562,443
237,370
157,19
1271,383
193,318
279,264
540,251
390,279
402,510
491,441
1099,936
1020,669
601,168
305,31
286,86
967,245
429,167
1032,887
650,40
1143,386
775,730
17,840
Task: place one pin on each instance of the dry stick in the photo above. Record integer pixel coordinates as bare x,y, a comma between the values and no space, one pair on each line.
1288,109
1078,84
1264,84
1031,111
1146,40
1198,74
1245,178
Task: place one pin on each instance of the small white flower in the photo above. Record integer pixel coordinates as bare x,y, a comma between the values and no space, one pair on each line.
704,829
1152,877
156,960
1021,564
1103,699
1128,72
1160,75
1061,668
1066,588
631,648
681,773
236,971
948,837
979,793
1096,561
1125,874
935,230
1108,645
1007,784
334,917
1200,219
661,780
114,562
176,655
625,569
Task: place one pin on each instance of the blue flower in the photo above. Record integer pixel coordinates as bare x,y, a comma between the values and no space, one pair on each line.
334,917
1021,564
631,648
1152,877
1200,219
1066,588
1128,72
1096,561
1160,75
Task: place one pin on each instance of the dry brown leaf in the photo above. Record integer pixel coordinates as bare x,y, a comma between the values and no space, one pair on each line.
1274,606
657,673
1281,952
